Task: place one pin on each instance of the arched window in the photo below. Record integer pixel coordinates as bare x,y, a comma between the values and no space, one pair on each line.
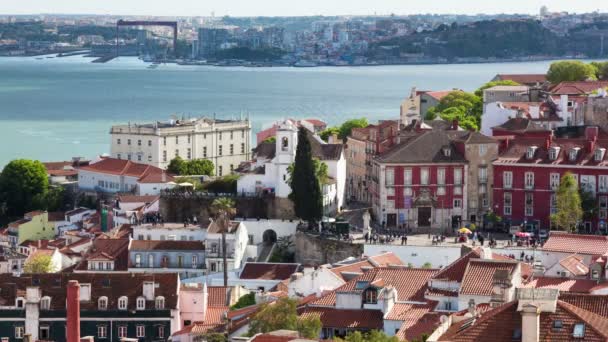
284,144
159,303
141,303
102,303
45,303
122,303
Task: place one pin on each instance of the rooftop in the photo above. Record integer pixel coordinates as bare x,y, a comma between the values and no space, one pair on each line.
268,271
166,245
576,243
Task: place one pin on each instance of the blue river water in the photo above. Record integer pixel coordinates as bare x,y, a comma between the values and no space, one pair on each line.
56,108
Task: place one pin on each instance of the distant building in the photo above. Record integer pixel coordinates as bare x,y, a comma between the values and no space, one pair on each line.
314,125
418,104
531,80
225,142
506,94
33,226
210,40
187,258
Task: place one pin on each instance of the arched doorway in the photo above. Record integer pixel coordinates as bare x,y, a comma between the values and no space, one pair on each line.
269,237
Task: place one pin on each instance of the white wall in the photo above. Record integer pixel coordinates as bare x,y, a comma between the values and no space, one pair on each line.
157,231
314,281
257,228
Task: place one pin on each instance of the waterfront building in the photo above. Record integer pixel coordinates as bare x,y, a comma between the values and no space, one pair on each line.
225,142
210,40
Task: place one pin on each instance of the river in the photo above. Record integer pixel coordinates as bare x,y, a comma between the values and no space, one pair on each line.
55,108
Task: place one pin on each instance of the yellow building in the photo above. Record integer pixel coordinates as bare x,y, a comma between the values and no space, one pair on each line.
33,226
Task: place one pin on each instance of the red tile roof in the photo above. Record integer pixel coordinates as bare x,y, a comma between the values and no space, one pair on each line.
385,259
563,284
575,265
576,243
479,275
116,250
592,303
578,88
416,326
144,173
137,199
346,318
218,296
438,95
523,78
168,245
268,271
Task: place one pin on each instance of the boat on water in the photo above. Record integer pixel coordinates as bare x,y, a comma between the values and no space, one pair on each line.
305,64
152,66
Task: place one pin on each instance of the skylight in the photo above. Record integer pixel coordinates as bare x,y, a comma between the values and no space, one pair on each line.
579,330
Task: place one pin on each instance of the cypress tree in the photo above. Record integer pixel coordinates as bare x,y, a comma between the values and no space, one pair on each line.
306,189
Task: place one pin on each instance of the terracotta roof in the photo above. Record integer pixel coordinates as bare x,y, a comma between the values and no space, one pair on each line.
417,325
137,199
520,125
385,259
575,265
116,250
55,216
111,285
576,243
346,318
500,323
425,147
268,271
218,296
529,79
438,95
410,283
167,245
356,268
455,271
563,284
598,304
322,150
578,88
479,276
144,173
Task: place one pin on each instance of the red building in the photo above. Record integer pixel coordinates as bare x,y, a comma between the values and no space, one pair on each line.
531,163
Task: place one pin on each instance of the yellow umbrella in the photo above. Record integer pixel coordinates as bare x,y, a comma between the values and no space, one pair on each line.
464,230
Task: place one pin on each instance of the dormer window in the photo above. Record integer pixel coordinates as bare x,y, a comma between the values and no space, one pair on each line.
141,303
45,303
102,303
20,303
531,151
447,151
122,303
370,296
579,330
553,153
159,303
574,153
599,154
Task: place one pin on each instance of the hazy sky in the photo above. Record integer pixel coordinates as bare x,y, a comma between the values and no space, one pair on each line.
292,7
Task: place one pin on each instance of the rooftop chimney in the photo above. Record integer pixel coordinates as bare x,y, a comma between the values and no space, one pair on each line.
73,311
530,323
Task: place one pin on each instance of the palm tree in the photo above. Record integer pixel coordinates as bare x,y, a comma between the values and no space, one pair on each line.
224,209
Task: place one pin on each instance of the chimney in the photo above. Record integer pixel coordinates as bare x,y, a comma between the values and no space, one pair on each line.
73,311
530,323
164,177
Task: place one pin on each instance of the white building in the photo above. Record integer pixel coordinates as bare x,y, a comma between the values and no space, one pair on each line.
268,170
225,142
131,209
115,175
236,247
169,231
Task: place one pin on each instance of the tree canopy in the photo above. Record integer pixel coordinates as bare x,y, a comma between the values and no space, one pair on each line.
344,130
197,167
372,336
569,208
41,263
23,187
459,105
282,314
244,301
570,71
305,185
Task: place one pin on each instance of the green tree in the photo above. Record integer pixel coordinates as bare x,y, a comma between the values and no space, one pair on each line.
23,186
282,314
211,337
329,131
570,71
305,186
321,170
224,209
466,107
39,264
427,265
347,127
244,301
479,91
372,336
177,166
199,167
569,209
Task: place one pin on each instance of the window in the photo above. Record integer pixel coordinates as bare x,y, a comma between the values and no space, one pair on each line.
176,153
139,142
102,303
599,154
424,176
370,296
177,139
118,156
507,203
242,147
122,331
204,151
151,260
579,330
530,152
220,150
603,183
554,181
231,149
159,303
441,176
45,303
220,136
122,303
603,214
141,303
529,204
390,176
407,177
102,331
507,179
137,260
457,203
140,331
118,141
19,331
45,332
483,149
188,138
128,141
164,156
553,204
189,153
529,177
220,172
180,261
242,133
164,141
160,331
129,156
149,142
194,261
573,154
407,191
457,176
553,153
483,175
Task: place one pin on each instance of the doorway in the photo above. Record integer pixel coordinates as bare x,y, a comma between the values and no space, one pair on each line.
424,216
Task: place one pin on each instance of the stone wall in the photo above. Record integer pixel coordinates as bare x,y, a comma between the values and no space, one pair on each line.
313,250
177,208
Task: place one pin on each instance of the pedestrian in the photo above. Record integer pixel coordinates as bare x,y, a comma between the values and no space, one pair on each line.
405,240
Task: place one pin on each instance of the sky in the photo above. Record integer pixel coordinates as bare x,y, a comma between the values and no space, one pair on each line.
292,7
